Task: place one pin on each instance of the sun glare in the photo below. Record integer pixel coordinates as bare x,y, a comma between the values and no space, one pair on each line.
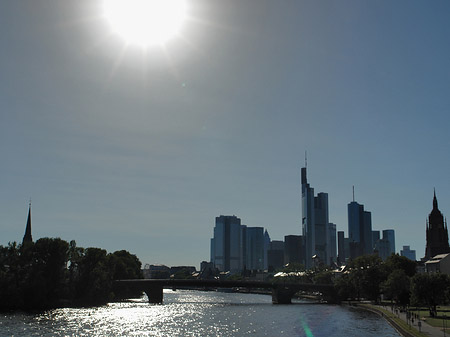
145,22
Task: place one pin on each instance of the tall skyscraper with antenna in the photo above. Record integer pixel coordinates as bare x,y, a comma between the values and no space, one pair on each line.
308,221
359,229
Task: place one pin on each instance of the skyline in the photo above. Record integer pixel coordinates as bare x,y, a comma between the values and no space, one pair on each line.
122,148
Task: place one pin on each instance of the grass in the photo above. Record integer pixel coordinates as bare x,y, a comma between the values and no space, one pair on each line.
440,321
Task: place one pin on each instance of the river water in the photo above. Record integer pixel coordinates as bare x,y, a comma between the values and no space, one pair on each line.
196,313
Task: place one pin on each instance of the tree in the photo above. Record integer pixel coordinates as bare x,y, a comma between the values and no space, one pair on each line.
430,290
94,282
366,275
396,262
397,287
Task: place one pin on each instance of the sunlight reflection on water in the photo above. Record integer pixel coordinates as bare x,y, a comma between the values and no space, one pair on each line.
191,313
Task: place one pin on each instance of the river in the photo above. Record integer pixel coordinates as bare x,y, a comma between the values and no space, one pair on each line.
196,313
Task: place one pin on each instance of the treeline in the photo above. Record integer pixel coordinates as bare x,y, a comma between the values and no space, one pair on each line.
52,273
369,278
397,279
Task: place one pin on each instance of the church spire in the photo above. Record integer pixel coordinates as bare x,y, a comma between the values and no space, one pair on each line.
27,237
435,203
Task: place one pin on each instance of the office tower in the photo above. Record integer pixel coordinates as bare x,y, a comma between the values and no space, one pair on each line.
359,230
332,243
383,248
27,237
408,253
437,234
275,255
341,249
243,246
266,248
321,230
389,235
375,237
293,247
226,244
255,248
308,222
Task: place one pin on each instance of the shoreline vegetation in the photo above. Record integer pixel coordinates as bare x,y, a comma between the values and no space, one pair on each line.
52,273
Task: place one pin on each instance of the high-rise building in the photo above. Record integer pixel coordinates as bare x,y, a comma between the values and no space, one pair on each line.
341,247
308,221
266,249
255,248
332,243
383,247
408,253
226,246
375,237
359,230
27,237
437,233
293,247
275,255
321,230
389,234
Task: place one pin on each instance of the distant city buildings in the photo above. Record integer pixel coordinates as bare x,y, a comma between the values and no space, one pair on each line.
408,253
236,248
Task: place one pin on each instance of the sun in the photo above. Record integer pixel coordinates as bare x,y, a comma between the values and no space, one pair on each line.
145,22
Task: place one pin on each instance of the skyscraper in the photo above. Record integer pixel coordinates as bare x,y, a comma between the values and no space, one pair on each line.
437,233
332,243
27,237
389,234
341,247
293,247
359,230
226,245
308,222
321,228
255,248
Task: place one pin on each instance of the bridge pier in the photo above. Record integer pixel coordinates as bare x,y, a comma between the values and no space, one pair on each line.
282,295
154,294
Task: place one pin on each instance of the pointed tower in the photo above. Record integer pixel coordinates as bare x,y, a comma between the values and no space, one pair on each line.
27,237
437,233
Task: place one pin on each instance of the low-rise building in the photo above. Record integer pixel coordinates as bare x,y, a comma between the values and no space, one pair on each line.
438,264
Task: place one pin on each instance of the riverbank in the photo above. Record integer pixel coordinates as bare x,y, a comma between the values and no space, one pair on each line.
400,323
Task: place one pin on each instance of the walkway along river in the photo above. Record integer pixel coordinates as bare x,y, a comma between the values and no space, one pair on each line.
197,313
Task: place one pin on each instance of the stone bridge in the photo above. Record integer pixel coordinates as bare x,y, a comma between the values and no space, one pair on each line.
282,292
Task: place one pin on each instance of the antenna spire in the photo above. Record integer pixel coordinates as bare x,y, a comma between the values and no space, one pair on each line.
353,187
306,159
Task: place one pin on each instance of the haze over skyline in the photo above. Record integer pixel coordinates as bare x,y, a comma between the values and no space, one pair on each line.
122,148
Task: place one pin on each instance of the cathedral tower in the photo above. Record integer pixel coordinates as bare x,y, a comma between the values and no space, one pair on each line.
437,234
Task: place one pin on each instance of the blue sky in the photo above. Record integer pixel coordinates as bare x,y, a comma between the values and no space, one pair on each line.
122,148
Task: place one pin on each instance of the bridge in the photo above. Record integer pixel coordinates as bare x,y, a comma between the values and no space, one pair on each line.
282,292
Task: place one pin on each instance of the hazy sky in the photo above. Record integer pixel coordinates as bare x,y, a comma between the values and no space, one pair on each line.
122,148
